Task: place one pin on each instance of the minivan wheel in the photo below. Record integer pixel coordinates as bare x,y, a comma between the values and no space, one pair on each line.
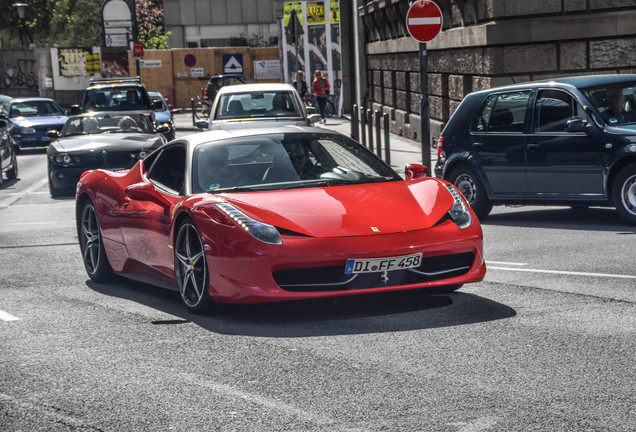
624,193
469,184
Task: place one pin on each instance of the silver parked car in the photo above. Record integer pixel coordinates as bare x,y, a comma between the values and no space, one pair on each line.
257,105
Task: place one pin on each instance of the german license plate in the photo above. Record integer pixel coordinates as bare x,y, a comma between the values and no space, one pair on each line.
375,265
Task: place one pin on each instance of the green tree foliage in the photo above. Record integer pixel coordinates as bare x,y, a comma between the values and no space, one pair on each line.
75,23
150,28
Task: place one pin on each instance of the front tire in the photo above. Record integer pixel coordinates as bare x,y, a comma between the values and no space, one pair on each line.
624,193
91,244
12,174
471,186
191,269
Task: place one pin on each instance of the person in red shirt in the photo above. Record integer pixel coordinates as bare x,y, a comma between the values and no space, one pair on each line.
320,87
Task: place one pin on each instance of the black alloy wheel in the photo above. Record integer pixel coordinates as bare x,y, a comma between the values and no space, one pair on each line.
471,186
624,193
191,269
90,240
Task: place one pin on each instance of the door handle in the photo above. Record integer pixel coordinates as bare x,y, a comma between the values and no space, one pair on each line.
533,147
477,145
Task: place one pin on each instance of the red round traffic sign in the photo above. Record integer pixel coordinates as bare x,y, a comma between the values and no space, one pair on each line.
424,20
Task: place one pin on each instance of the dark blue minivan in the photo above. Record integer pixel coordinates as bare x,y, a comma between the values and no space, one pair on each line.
567,141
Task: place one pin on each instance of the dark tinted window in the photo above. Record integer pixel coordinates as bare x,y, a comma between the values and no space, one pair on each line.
168,169
553,110
503,113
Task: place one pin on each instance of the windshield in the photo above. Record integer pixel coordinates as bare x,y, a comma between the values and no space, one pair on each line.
616,102
119,98
107,123
35,109
257,104
285,161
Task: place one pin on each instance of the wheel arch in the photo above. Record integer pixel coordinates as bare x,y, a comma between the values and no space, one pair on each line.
616,168
468,160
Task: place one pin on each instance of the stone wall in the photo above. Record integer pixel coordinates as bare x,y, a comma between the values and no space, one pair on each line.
488,43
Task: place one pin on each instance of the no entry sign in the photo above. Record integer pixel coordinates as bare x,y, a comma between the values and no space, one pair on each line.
424,20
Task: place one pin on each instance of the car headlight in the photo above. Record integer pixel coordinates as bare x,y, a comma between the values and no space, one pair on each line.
62,159
27,130
459,211
259,230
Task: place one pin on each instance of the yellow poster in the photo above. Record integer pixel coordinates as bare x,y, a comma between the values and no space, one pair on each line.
288,7
334,12
315,13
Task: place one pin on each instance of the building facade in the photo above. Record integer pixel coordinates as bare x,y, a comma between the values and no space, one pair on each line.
486,43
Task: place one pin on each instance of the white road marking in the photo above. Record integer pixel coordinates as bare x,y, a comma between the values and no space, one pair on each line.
8,201
35,223
5,316
561,272
425,21
505,263
480,424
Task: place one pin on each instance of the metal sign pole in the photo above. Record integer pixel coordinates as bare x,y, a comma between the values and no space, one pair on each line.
425,129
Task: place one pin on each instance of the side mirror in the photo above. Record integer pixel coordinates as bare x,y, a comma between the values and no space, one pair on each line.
53,134
75,109
157,105
145,192
313,118
576,125
414,171
3,123
202,124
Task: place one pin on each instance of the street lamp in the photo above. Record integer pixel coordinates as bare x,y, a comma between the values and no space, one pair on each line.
21,7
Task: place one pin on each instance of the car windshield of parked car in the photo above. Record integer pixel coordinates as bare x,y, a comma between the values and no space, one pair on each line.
256,105
285,161
615,102
35,109
107,123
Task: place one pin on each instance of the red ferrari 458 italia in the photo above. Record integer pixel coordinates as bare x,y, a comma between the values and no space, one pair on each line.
280,214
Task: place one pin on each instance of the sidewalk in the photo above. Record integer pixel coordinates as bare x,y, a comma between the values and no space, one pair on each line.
403,151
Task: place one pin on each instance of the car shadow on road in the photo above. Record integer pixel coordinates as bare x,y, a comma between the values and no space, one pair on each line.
591,219
368,313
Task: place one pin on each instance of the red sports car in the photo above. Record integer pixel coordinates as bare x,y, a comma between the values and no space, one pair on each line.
280,214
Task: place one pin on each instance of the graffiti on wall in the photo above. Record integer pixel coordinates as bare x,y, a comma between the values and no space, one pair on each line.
19,72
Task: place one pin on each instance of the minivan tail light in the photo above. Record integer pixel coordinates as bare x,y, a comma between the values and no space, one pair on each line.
440,149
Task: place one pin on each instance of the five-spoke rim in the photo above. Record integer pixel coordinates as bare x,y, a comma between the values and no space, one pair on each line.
90,238
190,265
628,194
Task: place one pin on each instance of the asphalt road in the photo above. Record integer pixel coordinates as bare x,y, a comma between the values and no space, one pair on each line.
545,343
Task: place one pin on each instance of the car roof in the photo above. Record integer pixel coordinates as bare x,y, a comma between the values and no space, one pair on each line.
264,87
198,138
29,99
580,81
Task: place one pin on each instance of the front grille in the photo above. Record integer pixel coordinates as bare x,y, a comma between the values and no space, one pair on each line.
110,160
334,278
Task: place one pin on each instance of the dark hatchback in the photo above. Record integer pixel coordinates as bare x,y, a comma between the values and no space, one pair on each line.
568,141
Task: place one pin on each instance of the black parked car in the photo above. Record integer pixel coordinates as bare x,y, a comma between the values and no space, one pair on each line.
8,159
111,140
567,141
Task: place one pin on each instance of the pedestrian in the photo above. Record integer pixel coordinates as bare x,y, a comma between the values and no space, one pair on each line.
320,87
301,85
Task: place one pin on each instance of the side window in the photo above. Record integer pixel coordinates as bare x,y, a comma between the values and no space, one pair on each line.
553,109
503,113
168,170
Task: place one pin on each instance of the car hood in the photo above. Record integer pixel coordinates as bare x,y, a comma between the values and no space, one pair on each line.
53,121
350,210
112,142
